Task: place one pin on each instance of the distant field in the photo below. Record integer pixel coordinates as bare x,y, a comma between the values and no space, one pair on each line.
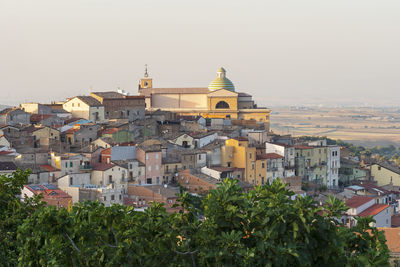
361,126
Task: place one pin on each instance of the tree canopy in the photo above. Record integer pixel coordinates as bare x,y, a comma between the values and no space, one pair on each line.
261,227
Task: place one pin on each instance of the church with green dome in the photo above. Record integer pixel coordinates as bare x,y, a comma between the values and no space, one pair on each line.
219,100
221,82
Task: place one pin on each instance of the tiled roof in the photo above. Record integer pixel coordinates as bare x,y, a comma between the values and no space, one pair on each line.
109,94
8,166
91,101
269,156
40,117
357,201
392,238
48,191
48,168
373,210
103,167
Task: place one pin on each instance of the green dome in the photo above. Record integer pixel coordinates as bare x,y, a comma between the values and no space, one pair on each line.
221,82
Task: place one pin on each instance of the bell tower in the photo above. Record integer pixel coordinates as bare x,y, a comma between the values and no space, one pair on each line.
146,81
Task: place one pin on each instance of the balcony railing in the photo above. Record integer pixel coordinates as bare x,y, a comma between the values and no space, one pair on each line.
85,167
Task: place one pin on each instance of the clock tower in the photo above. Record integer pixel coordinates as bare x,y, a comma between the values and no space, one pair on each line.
146,81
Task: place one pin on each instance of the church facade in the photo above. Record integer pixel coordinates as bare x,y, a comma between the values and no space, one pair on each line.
218,100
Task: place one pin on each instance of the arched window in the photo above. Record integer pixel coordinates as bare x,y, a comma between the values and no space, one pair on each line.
222,104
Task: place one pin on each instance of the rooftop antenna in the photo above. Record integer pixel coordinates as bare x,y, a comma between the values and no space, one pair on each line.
145,71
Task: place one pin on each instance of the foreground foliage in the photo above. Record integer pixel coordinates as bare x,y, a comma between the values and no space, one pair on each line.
263,227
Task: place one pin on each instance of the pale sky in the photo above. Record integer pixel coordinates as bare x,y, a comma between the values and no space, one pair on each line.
281,51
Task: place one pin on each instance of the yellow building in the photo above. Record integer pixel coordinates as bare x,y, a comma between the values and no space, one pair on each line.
385,175
218,100
236,153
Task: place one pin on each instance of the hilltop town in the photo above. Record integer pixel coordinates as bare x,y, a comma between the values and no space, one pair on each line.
116,147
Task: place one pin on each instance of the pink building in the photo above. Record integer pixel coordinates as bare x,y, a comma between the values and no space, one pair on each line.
151,157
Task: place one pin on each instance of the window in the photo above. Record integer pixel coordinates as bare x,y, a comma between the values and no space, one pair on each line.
149,168
105,198
263,166
70,164
149,181
199,157
130,166
112,197
71,180
379,168
73,104
120,197
250,155
156,156
147,156
66,164
110,179
79,104
222,105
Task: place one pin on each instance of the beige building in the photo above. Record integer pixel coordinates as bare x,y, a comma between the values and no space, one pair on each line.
218,100
384,174
85,107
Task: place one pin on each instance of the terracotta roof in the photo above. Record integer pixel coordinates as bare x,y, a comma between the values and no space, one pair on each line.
48,191
357,201
373,210
48,168
269,156
40,117
392,238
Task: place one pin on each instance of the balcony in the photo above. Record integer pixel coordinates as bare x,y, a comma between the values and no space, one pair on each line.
85,167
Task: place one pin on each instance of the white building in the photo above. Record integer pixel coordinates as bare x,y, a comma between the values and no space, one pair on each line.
362,206
333,165
109,174
288,152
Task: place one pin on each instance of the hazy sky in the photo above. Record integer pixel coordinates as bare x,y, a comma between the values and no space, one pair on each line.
281,51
